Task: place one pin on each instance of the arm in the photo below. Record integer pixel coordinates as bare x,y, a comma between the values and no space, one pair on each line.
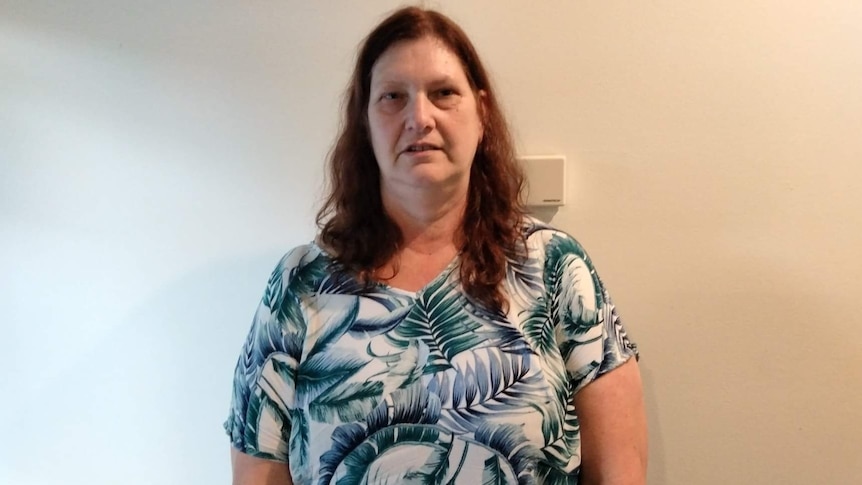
250,470
613,428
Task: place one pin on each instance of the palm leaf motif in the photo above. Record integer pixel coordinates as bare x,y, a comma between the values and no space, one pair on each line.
278,380
331,331
278,326
495,327
274,292
299,435
373,326
539,327
414,453
412,405
323,378
492,383
524,278
617,346
492,473
548,475
553,412
266,337
437,319
341,282
277,385
554,261
283,294
563,452
569,280
402,366
345,439
259,413
252,418
350,401
391,452
322,372
523,273
510,442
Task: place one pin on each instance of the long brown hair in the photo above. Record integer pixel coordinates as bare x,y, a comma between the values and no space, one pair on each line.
354,226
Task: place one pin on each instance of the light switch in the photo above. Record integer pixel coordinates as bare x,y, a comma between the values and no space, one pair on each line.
546,179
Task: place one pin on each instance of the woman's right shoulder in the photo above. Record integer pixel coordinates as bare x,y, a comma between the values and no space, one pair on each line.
301,255
302,259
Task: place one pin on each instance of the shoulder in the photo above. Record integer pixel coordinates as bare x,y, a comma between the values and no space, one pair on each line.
547,242
300,270
303,258
300,256
566,268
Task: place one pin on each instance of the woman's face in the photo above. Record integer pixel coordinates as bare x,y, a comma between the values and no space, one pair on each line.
423,117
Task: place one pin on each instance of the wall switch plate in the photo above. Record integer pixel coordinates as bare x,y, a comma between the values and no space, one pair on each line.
546,179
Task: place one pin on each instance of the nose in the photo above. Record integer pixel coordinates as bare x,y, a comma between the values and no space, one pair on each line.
420,116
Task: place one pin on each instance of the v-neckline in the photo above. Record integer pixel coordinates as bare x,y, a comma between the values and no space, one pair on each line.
445,273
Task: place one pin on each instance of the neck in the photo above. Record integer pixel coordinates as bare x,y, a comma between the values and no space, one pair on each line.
429,220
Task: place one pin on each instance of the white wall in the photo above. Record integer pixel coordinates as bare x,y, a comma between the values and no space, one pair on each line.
156,158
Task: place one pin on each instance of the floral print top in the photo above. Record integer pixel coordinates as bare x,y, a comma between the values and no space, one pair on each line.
353,383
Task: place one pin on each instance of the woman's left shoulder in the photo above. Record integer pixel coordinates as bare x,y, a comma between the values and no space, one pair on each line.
546,241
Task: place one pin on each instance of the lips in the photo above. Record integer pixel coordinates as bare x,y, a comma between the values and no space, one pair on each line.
420,147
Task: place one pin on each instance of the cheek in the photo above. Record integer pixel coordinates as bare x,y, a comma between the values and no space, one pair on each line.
381,130
374,135
382,141
470,127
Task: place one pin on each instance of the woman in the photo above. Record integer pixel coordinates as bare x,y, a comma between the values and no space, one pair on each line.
433,333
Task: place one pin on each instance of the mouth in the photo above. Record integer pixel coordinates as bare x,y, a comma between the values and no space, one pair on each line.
420,147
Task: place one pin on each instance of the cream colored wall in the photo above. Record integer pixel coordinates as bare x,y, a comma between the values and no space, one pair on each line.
716,154
156,159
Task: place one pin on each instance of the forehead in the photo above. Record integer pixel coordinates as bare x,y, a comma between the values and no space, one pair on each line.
423,57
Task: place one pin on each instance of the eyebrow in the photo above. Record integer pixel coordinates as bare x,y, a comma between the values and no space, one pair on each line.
397,80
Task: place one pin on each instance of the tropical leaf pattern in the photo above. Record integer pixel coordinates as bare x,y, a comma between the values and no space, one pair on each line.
361,383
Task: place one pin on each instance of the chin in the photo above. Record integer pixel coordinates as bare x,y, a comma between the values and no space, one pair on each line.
434,178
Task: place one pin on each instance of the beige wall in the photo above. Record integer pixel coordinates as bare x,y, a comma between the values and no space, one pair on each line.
156,159
716,159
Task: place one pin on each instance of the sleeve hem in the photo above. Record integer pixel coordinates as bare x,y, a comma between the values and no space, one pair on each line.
242,446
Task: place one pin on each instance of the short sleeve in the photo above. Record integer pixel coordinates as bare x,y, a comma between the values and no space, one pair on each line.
259,421
589,332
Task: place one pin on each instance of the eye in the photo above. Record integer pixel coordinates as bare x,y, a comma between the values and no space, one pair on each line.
446,97
390,96
390,101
